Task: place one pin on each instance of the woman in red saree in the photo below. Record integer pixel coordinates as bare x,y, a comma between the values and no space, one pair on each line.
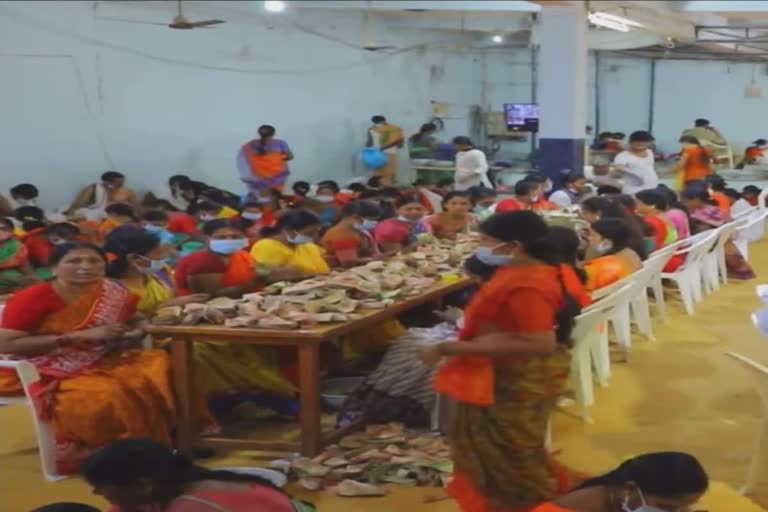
661,481
509,368
349,241
76,330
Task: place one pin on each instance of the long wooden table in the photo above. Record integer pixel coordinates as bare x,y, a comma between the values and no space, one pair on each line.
307,343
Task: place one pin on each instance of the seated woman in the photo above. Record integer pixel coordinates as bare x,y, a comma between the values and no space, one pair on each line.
77,330
257,216
223,268
350,241
675,212
118,214
300,191
596,208
751,194
290,245
649,482
16,271
169,194
484,201
455,217
40,244
138,474
221,369
704,216
616,260
652,205
395,234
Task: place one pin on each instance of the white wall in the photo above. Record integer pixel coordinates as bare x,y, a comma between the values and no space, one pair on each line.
80,95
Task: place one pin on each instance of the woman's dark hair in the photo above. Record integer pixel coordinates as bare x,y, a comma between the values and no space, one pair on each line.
665,474
425,128
357,187
361,208
532,233
66,507
25,190
615,230
121,209
128,461
567,242
751,189
455,193
696,191
716,183
63,229
405,199
463,141
732,193
155,216
525,187
474,266
480,192
119,244
607,190
265,131
31,217
61,250
655,198
7,223
330,184
610,207
301,188
292,219
214,225
760,142
673,201
178,179
640,136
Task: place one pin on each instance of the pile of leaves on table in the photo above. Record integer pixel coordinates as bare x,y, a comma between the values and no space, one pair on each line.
363,462
335,297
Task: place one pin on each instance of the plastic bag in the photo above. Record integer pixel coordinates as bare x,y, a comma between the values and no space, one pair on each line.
373,158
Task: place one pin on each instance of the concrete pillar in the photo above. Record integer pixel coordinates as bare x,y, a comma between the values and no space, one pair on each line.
563,69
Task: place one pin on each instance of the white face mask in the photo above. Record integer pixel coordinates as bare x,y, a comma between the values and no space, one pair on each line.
603,247
324,199
642,508
251,215
205,217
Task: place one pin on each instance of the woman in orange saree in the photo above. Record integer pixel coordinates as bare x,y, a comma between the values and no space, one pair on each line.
77,331
610,239
653,481
509,369
262,162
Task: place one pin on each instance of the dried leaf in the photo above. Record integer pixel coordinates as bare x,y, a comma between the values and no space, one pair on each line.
350,488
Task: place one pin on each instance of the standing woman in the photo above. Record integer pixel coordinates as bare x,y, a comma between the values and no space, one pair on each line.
695,162
471,165
514,350
262,162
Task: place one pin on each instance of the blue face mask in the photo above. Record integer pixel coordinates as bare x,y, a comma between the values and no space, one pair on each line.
154,229
366,225
228,246
300,239
486,255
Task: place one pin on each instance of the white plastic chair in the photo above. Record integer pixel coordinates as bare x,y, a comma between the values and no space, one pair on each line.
688,276
752,231
762,198
714,268
760,453
43,430
658,259
590,348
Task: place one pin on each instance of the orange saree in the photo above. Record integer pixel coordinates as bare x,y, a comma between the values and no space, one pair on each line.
91,392
605,270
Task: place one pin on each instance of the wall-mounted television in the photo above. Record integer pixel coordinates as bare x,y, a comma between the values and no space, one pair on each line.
522,117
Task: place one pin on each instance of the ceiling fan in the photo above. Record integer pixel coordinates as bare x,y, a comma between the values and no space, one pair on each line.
179,22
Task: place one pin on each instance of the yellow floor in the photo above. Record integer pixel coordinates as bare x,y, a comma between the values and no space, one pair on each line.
678,393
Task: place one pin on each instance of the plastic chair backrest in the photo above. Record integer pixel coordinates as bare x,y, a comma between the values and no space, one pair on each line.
619,295
27,373
746,213
725,232
701,245
758,372
753,228
762,198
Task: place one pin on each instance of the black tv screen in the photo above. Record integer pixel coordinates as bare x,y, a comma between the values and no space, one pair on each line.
522,117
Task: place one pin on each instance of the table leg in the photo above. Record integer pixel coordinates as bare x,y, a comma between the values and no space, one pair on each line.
309,389
183,367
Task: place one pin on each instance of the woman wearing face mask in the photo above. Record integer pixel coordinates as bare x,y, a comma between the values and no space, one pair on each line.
596,208
327,206
350,240
653,482
398,233
514,350
79,331
484,201
289,246
224,268
455,217
615,260
16,271
263,162
139,260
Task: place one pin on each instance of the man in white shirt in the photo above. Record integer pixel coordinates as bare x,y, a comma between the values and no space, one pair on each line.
575,187
471,165
635,167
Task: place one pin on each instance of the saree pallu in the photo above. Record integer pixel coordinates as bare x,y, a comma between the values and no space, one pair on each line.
91,394
266,167
499,450
712,217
